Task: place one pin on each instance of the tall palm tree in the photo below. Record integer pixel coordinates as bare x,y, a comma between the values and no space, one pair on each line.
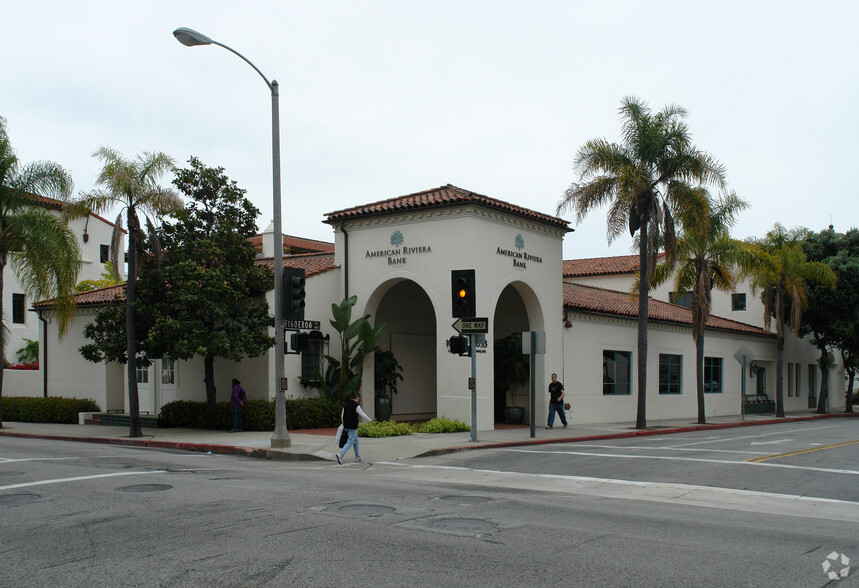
38,245
131,184
781,278
644,181
706,258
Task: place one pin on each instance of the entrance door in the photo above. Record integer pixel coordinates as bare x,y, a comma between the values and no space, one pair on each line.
812,386
761,382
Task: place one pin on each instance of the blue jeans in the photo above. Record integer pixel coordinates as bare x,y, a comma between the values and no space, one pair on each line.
559,408
237,418
351,441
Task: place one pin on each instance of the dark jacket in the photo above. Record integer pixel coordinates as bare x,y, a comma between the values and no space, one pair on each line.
350,414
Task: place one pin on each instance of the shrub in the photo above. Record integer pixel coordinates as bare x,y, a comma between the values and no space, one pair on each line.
257,415
442,425
384,429
46,410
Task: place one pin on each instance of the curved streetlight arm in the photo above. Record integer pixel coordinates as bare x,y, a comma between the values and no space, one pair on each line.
192,38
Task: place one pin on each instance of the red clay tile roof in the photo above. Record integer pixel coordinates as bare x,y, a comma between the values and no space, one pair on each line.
91,297
603,301
313,264
602,266
291,242
441,197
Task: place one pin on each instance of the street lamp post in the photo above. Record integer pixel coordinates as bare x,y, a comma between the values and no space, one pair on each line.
280,438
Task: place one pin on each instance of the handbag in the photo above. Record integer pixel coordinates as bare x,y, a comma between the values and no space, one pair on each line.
344,436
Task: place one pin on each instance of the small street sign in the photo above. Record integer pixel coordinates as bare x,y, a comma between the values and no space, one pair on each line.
295,325
284,384
471,326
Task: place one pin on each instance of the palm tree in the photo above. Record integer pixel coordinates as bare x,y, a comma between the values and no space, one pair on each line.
706,258
645,181
132,185
782,280
39,245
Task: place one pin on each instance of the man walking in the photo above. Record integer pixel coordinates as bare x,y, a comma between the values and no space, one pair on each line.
556,402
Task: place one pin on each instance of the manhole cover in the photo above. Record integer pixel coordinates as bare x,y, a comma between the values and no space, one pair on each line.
468,499
367,509
464,525
145,488
15,499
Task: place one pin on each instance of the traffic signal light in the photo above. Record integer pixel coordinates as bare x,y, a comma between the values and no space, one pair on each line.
458,344
462,293
293,293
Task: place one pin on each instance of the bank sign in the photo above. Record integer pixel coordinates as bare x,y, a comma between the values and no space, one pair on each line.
398,254
521,258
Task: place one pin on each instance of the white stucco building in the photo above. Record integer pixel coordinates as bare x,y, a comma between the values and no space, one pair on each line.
94,234
397,255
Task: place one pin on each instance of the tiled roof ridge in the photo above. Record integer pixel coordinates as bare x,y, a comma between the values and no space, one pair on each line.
658,311
447,195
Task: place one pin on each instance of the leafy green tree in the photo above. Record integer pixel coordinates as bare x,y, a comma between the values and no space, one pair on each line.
131,184
706,258
781,278
38,245
832,317
645,181
207,297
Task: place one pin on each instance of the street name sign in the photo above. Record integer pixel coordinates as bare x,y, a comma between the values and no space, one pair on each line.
294,325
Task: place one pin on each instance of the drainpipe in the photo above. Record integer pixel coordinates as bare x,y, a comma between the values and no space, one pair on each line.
345,260
44,365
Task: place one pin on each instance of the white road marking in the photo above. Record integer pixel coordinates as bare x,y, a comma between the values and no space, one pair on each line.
15,460
78,478
698,459
771,442
684,488
650,448
741,437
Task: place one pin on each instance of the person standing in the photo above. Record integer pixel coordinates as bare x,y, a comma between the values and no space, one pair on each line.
556,402
237,401
352,411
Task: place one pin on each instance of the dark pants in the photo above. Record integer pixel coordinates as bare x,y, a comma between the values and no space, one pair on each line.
237,418
559,408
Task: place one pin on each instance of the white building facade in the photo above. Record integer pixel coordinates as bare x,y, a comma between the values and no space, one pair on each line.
396,257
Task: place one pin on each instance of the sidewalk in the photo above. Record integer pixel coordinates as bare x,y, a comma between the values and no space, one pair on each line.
318,444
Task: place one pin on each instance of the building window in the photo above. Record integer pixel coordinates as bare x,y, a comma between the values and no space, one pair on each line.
19,308
616,372
104,253
712,375
812,382
142,375
311,360
738,302
168,371
798,378
670,372
682,300
789,379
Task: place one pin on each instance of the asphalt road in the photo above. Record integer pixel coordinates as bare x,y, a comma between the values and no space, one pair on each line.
698,509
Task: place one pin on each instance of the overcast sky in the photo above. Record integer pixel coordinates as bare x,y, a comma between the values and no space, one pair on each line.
386,98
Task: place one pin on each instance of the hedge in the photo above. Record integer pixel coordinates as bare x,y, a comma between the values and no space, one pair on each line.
257,415
46,410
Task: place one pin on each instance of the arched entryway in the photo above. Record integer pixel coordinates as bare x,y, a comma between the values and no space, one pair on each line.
510,320
411,336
